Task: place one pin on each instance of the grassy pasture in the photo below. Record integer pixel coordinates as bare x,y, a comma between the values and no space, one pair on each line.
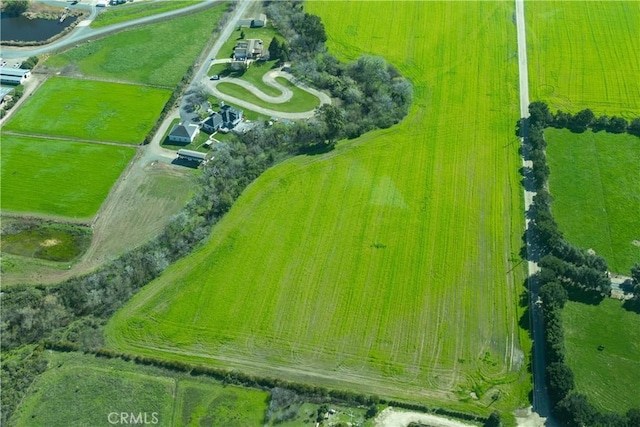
389,264
90,110
44,240
585,54
595,182
299,102
156,54
610,378
98,387
131,11
38,176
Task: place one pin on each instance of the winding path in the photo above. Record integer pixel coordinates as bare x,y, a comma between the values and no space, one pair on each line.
270,80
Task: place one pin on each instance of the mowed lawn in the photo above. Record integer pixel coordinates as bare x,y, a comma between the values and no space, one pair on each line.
59,178
390,264
91,110
81,390
585,54
595,183
156,54
301,100
610,378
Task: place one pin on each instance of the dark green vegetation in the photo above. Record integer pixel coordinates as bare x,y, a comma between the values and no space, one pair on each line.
44,240
98,387
91,110
595,181
567,272
15,95
130,11
602,347
15,7
156,54
38,175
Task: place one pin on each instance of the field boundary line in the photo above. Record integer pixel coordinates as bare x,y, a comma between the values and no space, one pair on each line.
73,139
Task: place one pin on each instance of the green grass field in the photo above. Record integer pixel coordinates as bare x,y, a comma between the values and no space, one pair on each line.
300,101
390,264
610,378
585,54
128,12
595,183
43,240
91,110
83,390
156,54
58,178
253,74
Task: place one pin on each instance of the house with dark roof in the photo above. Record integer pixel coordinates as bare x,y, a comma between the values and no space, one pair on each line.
230,116
184,133
213,123
248,49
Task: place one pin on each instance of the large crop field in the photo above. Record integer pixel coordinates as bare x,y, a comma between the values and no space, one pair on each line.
390,264
156,54
595,183
91,110
58,178
610,377
94,392
584,54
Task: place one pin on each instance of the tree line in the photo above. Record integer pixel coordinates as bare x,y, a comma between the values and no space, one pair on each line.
582,120
76,310
565,271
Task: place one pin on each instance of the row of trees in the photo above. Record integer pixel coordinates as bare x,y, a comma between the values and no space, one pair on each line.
582,120
564,270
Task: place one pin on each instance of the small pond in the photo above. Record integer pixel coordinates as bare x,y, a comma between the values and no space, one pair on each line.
19,28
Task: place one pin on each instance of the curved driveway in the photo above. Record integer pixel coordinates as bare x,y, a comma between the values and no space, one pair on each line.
270,80
83,32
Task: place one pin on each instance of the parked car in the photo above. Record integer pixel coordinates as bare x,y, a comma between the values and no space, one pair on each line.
214,77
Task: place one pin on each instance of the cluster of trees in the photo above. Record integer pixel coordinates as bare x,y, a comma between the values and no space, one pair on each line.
279,49
582,120
15,7
15,96
372,93
564,268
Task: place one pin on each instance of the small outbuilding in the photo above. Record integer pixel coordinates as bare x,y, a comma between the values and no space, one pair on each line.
259,21
192,156
184,133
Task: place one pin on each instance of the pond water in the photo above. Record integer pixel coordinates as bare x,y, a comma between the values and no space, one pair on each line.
19,28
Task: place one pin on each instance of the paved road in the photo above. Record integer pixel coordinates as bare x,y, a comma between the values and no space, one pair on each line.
541,404
82,32
270,80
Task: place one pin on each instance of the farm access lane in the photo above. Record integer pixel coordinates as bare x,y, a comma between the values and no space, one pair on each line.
83,32
541,402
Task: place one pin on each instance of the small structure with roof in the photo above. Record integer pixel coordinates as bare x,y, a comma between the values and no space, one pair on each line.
184,133
259,21
13,76
192,156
